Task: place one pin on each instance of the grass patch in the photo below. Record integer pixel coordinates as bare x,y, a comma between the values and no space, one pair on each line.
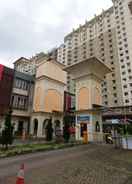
31,148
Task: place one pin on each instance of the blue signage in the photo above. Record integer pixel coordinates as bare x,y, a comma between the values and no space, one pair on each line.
83,118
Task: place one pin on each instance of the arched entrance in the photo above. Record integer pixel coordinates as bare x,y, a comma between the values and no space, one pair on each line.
35,130
20,127
57,124
44,127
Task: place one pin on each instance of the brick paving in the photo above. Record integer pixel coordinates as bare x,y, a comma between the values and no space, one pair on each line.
90,164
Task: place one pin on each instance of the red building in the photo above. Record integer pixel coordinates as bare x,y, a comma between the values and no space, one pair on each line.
6,83
69,102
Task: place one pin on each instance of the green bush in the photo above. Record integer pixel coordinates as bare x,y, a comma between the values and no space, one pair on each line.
7,133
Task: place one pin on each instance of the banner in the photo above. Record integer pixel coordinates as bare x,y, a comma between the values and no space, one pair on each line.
1,71
83,118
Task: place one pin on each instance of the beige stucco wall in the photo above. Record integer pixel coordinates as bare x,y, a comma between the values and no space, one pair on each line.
91,127
88,92
51,70
41,117
49,87
48,96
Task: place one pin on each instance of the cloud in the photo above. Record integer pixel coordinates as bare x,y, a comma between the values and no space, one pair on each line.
32,26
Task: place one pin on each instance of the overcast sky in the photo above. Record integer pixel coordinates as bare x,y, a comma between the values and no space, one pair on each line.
31,26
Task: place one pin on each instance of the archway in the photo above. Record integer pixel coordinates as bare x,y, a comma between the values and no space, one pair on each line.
57,127
57,123
20,127
44,127
35,130
97,127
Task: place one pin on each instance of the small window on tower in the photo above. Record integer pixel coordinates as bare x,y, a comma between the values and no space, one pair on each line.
130,6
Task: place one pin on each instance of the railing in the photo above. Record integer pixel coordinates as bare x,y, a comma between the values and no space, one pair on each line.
123,141
117,141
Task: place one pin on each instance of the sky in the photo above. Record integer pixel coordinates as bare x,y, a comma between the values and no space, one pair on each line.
32,26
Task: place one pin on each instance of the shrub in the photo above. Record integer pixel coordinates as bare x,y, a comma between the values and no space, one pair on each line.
7,133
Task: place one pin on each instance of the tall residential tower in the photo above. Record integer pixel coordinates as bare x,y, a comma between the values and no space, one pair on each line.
107,36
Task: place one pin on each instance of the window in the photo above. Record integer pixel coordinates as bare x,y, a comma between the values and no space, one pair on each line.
125,86
12,100
123,73
121,60
126,45
130,7
106,103
113,75
121,12
127,101
126,93
123,28
124,79
117,17
123,66
115,95
128,64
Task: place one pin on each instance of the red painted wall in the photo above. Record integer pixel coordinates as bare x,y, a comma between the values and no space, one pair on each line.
1,71
6,83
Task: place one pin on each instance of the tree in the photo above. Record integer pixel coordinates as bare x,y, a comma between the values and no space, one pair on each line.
7,132
66,128
49,131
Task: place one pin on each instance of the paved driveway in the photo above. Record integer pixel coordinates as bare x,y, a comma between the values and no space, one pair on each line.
89,164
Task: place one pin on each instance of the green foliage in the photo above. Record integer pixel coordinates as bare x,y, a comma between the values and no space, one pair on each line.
32,148
49,131
129,129
7,133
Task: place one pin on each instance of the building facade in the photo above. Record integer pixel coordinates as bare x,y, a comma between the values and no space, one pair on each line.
6,84
28,66
107,36
25,65
22,102
48,101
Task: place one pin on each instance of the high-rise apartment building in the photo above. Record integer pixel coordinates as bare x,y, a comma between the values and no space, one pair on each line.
108,37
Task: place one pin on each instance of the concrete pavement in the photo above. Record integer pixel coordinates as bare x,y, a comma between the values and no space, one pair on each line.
88,164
